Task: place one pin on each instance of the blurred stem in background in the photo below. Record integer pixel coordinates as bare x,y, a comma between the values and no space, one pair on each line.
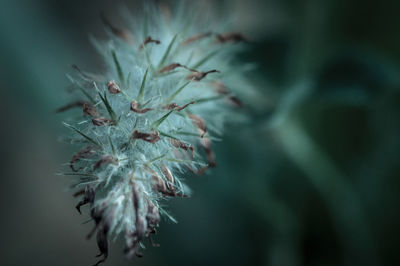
310,50
347,211
309,39
285,241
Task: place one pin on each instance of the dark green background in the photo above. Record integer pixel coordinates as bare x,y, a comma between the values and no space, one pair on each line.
314,182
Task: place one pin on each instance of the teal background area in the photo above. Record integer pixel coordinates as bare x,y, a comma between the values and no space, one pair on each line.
312,178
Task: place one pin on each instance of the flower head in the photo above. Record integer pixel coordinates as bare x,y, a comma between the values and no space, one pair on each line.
150,119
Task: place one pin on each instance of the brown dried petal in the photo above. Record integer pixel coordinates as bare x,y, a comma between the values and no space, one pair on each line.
170,67
182,145
90,110
135,108
79,193
140,223
113,87
157,182
160,185
172,106
170,186
201,170
101,121
153,219
148,40
107,159
197,37
183,107
133,239
135,197
223,90
149,137
97,215
206,144
199,123
140,226
197,76
86,152
231,37
167,173
152,216
69,106
220,88
123,34
235,100
102,243
88,197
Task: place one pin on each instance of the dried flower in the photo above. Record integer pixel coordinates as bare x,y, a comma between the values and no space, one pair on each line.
135,108
113,87
101,121
231,37
90,110
198,75
148,40
149,137
133,155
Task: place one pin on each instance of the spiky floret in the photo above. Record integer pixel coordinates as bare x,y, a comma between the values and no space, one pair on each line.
150,118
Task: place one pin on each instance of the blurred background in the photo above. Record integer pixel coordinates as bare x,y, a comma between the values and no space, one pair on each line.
311,179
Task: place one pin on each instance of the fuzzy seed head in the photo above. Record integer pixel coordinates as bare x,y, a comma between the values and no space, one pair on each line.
151,118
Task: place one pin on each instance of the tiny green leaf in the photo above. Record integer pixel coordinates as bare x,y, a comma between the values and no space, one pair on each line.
82,134
157,158
205,59
166,54
167,135
141,90
185,161
157,123
83,90
108,106
149,60
168,100
164,212
112,145
118,67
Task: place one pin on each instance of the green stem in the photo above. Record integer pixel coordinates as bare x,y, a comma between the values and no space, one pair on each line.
333,186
